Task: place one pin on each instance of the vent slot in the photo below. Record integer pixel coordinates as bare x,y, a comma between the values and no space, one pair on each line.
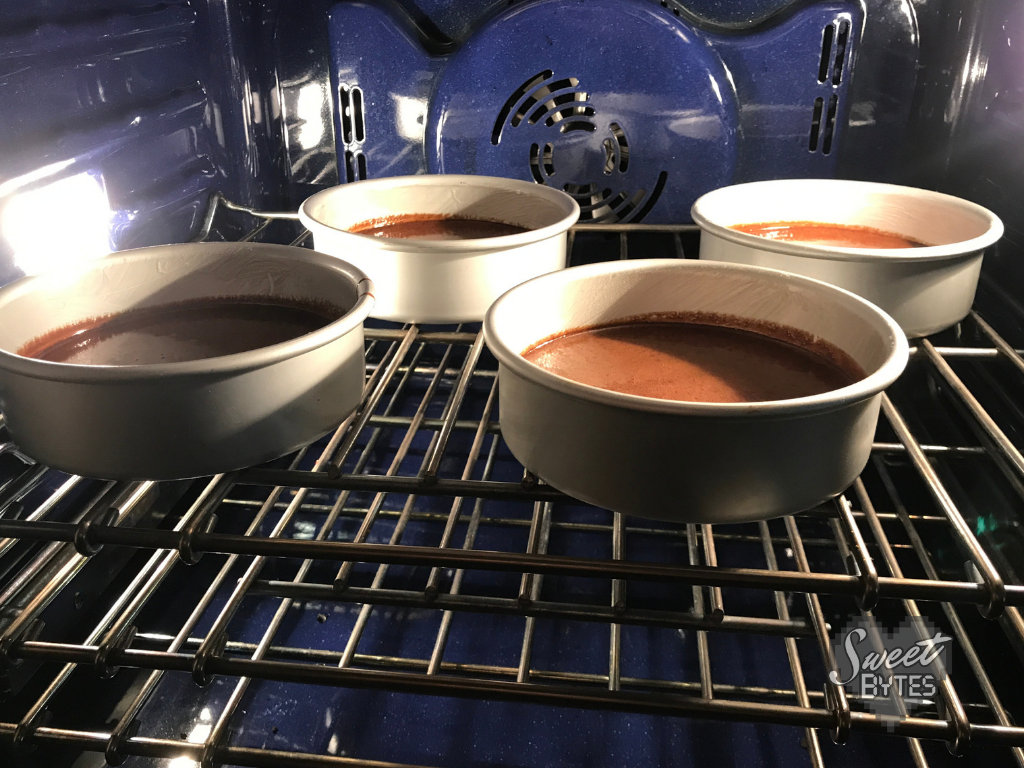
602,207
580,189
830,125
350,173
826,52
353,125
357,114
514,99
577,125
346,114
626,210
542,103
589,204
541,95
620,139
361,165
841,39
659,187
819,104
535,163
542,162
570,97
577,110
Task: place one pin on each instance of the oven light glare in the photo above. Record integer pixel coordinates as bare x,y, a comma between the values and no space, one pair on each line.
199,734
310,109
57,225
410,117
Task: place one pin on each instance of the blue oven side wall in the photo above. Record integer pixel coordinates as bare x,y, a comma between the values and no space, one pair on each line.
161,103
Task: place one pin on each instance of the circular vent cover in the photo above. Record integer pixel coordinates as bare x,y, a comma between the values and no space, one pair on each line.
617,102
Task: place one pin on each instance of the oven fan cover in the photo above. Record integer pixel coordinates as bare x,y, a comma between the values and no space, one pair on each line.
620,103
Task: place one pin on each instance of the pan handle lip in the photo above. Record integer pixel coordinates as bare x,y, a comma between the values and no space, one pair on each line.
213,367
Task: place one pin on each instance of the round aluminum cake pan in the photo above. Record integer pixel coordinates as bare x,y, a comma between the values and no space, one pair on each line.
926,289
443,281
682,461
186,419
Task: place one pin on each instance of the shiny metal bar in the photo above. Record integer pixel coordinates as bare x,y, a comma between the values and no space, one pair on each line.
618,603
21,485
369,404
289,215
993,581
523,672
623,228
341,580
677,241
437,655
115,618
954,707
343,440
862,565
703,655
1006,447
835,695
967,353
526,583
114,751
219,733
792,654
44,509
156,570
448,422
116,503
467,473
717,609
830,583
917,754
1011,354
540,608
953,451
217,634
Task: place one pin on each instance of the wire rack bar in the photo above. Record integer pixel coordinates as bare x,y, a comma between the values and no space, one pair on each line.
424,451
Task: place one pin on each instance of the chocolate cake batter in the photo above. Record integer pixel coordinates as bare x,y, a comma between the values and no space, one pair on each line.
697,357
839,235
187,330
419,226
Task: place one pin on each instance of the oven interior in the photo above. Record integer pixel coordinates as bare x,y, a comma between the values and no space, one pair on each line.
465,613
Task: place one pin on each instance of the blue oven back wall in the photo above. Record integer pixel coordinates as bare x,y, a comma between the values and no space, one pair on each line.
634,107
147,107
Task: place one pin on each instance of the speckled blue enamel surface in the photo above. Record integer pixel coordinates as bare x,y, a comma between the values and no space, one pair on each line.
558,90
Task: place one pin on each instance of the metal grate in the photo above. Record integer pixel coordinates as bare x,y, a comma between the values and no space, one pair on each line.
414,504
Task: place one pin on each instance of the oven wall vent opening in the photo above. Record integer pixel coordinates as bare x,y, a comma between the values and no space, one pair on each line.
353,130
560,107
832,64
561,92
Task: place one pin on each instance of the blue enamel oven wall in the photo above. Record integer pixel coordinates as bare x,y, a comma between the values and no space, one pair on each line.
634,107
119,117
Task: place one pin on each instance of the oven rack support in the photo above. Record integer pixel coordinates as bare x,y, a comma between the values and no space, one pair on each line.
875,533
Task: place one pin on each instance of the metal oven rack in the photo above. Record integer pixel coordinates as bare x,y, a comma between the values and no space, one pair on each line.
414,504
